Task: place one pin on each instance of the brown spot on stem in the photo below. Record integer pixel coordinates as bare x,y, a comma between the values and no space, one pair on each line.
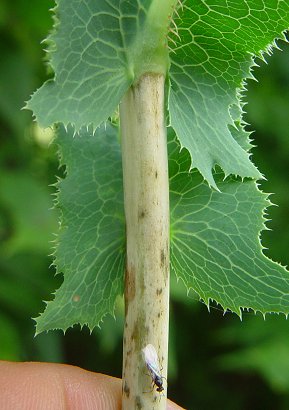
129,292
163,257
138,403
135,334
126,389
156,174
142,214
159,291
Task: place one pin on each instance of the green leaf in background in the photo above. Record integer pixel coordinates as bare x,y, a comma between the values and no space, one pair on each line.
26,201
215,245
12,94
211,58
98,49
10,340
262,347
91,246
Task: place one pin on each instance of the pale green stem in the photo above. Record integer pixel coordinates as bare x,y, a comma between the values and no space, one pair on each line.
146,195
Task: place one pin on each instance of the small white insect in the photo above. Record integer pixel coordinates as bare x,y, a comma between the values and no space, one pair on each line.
151,360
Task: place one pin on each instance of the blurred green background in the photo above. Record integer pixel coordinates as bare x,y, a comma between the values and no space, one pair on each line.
216,361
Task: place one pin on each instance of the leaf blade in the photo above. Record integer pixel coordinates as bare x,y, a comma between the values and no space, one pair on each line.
97,51
91,243
212,57
87,53
215,246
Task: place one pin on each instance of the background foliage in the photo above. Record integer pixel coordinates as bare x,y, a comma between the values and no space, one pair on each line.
215,360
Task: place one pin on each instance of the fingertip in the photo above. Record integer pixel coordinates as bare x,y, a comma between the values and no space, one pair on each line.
35,386
43,386
173,406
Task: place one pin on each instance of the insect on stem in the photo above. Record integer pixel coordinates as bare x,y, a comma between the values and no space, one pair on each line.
152,364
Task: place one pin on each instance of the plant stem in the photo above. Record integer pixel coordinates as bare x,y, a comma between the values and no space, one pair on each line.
146,196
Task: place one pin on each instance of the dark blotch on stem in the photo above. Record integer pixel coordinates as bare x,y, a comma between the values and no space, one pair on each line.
142,214
126,389
138,403
162,258
129,285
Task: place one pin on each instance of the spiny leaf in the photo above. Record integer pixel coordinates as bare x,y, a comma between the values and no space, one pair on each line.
91,243
88,57
215,245
211,58
97,50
